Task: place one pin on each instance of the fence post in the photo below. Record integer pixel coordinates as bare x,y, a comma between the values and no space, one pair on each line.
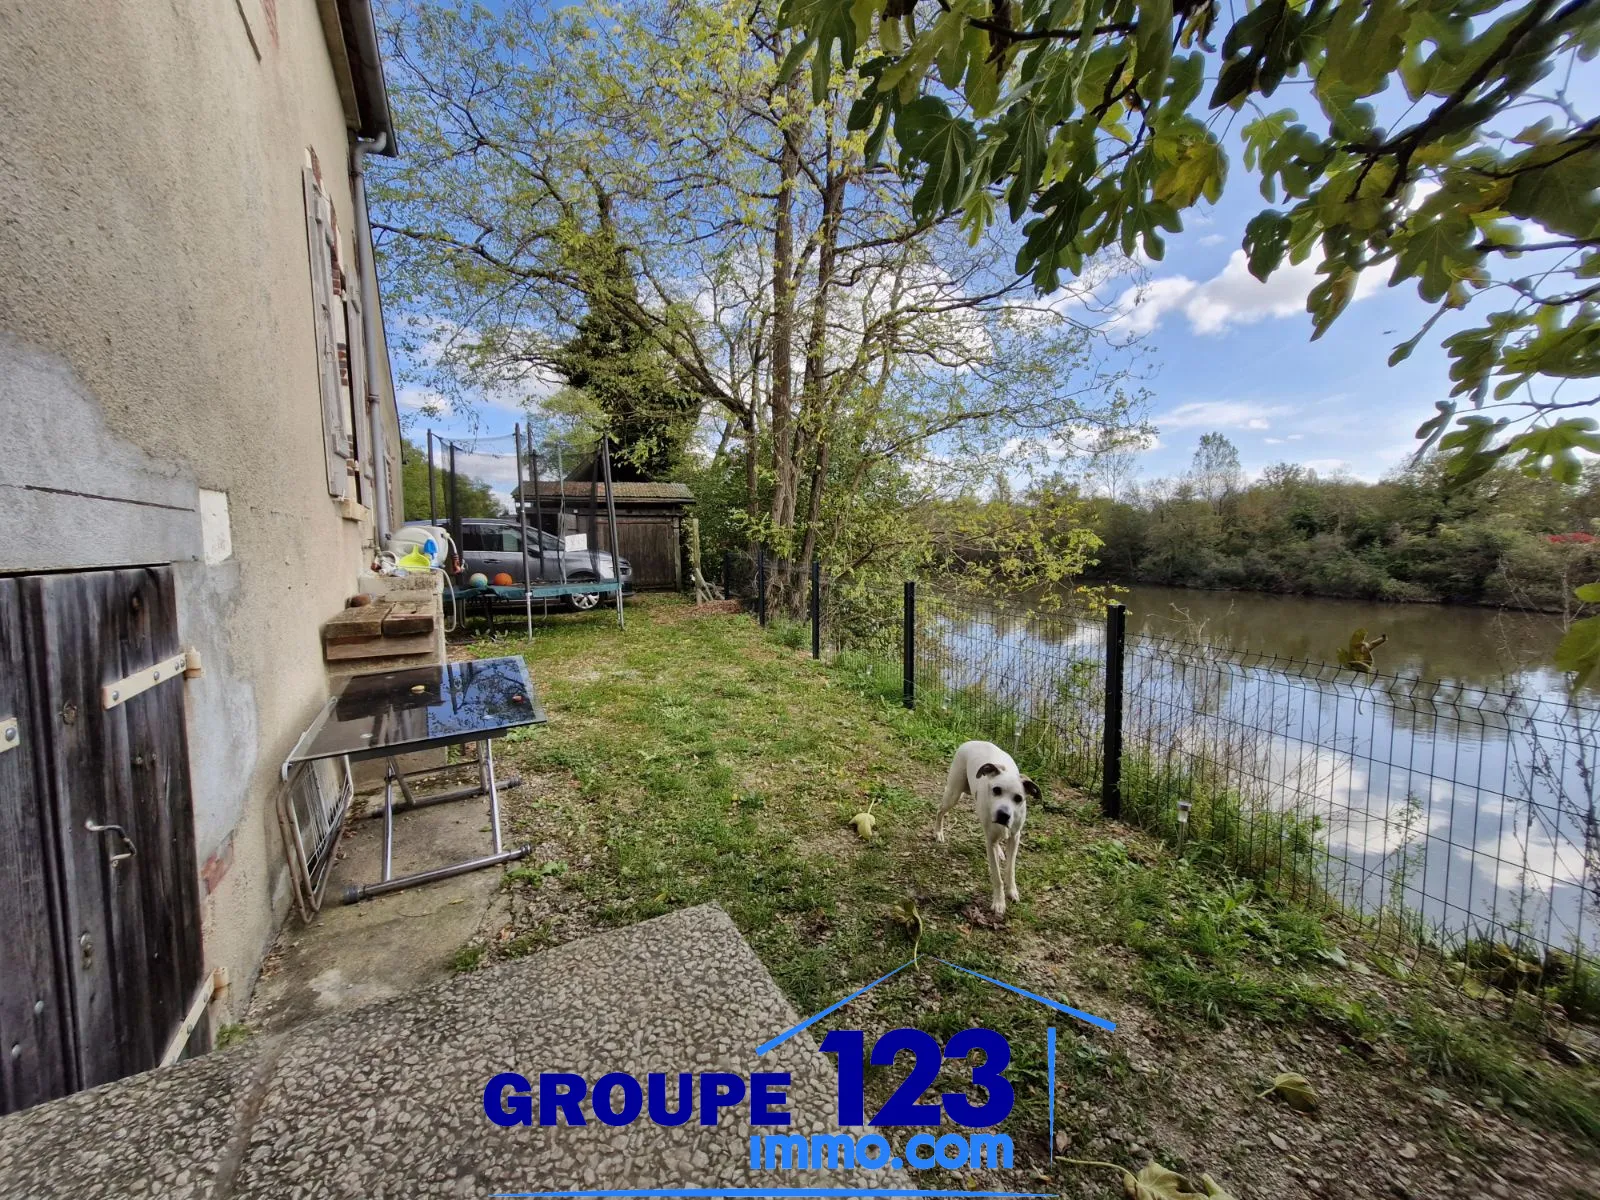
908,653
727,574
1111,772
761,585
816,609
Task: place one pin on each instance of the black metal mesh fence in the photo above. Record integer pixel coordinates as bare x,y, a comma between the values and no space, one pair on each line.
1030,680
1447,818
738,574
1459,817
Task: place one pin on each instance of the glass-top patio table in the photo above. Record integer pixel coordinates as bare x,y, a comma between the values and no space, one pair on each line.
390,713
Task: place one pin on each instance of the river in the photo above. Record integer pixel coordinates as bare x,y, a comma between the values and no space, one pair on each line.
1457,644
1455,788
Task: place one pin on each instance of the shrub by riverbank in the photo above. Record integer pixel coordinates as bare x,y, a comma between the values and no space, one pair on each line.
693,759
1505,540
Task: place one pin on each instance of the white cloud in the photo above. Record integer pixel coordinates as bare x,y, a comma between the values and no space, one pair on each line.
1143,307
1221,414
499,471
1327,466
1231,297
421,400
1212,239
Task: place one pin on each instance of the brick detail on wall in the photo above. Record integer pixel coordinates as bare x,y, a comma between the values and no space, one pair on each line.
217,866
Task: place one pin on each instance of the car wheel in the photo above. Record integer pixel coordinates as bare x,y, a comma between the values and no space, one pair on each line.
583,601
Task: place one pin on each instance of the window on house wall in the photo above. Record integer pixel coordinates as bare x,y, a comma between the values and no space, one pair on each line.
331,320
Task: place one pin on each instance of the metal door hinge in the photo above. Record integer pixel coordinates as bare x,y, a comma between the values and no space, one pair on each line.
186,664
10,734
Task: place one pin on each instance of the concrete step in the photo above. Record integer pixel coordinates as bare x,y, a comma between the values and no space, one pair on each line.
387,1099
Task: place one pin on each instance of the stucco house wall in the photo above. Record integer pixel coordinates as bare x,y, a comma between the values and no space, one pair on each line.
159,387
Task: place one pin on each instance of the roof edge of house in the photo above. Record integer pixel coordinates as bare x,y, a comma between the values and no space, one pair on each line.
374,117
668,491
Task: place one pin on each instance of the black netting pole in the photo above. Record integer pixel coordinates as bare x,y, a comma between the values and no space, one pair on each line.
816,609
538,504
594,517
611,524
520,499
433,506
761,584
455,503
908,651
727,574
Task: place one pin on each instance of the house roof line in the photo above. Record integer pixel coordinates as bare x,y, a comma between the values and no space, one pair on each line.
1079,1014
619,491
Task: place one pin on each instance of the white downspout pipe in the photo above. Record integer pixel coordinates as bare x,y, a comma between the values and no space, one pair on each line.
370,329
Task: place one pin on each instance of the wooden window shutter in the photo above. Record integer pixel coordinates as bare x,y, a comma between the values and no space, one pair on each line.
355,335
319,238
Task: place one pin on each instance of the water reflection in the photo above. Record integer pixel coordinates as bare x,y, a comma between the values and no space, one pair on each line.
1453,643
1465,801
377,713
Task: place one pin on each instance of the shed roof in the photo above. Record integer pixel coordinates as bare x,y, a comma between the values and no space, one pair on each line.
667,493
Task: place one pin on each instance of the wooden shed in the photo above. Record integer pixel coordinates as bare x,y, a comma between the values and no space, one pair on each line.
649,524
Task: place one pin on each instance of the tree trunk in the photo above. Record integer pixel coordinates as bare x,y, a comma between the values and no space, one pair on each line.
780,394
814,401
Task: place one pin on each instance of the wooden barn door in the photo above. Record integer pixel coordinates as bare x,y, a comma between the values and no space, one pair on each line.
119,829
651,546
37,1059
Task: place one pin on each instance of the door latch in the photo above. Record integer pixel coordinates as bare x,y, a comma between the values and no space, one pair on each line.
120,832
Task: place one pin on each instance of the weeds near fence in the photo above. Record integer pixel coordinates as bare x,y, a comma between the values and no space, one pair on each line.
1459,828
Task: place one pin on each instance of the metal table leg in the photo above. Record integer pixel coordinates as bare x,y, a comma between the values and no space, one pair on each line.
392,776
410,800
486,752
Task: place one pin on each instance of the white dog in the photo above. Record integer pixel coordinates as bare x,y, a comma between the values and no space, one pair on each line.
1000,797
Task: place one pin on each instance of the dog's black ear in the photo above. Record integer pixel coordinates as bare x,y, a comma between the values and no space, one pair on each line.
988,769
1031,788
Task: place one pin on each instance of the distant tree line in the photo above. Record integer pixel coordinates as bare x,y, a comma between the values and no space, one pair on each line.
474,497
1505,539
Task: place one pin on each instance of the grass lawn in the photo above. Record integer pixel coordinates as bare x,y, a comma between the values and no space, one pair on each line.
695,758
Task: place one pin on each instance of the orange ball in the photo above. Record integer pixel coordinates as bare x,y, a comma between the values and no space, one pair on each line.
502,580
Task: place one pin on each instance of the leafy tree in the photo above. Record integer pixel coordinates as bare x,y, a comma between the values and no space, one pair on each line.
1504,539
1113,459
643,403
1444,149
474,497
1216,471
631,193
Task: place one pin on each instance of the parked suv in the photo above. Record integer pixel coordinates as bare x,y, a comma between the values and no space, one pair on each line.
495,546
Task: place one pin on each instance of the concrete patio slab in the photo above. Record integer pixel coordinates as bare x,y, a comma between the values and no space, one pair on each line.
360,953
386,1100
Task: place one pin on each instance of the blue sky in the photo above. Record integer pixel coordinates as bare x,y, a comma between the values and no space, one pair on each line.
1228,354
1236,356
1233,355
